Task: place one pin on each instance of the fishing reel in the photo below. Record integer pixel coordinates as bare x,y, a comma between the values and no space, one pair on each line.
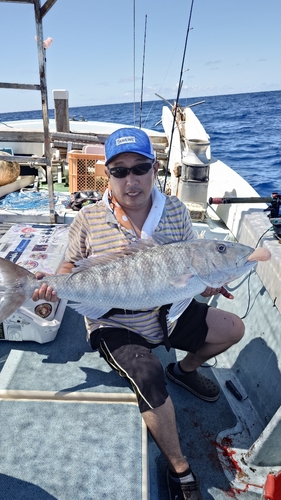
274,208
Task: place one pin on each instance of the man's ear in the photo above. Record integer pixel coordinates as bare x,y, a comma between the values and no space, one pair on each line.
156,166
106,171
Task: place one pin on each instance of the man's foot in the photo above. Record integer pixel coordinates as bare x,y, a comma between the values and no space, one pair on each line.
195,382
183,491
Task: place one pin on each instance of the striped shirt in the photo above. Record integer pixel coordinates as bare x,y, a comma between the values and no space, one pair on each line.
95,230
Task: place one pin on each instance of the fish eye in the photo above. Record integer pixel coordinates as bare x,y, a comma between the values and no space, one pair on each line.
221,248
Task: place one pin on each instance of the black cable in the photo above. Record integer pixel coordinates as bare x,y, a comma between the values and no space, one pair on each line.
250,274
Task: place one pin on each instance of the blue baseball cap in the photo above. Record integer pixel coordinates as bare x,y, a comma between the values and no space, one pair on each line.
128,140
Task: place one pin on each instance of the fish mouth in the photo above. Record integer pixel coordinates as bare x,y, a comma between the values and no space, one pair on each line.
259,254
251,258
254,255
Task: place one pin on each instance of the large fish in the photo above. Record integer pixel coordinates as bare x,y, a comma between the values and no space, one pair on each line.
143,276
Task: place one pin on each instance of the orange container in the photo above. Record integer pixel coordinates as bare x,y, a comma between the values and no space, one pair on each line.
272,488
86,172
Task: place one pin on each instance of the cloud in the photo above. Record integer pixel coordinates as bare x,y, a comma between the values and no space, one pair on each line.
218,61
102,84
128,79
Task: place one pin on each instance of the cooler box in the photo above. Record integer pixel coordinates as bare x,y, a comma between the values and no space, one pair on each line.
36,247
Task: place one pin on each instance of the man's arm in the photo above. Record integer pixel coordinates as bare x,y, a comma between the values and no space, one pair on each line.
46,292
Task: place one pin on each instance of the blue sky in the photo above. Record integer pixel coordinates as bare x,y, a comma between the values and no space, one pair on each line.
233,47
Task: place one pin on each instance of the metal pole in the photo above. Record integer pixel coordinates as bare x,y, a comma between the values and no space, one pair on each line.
44,99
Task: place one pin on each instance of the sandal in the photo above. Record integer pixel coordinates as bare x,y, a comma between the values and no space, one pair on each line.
195,382
187,491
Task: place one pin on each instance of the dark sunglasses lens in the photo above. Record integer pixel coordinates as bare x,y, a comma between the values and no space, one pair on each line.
141,169
119,172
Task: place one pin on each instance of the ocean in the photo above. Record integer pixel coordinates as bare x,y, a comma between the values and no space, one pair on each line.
245,129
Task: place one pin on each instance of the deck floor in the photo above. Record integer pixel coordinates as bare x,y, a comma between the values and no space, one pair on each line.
86,451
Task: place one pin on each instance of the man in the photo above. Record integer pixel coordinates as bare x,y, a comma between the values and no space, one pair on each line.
133,208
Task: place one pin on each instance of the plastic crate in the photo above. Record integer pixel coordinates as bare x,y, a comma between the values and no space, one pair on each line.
86,172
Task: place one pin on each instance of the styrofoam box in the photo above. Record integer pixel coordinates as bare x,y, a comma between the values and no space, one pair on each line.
36,247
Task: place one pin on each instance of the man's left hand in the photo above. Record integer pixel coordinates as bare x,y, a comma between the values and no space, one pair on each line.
214,291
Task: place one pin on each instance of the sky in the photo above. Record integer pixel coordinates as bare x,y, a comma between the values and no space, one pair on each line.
102,54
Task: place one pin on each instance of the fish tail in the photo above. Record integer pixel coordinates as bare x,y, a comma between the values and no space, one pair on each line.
14,277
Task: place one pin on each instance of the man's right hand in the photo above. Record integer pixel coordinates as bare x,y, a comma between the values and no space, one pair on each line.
44,292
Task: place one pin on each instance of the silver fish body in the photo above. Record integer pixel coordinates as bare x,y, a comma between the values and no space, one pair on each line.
140,279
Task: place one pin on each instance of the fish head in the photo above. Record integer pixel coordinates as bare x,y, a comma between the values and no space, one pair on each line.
220,262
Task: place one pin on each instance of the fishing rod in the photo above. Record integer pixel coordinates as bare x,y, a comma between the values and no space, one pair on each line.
144,45
274,207
178,94
134,58
165,100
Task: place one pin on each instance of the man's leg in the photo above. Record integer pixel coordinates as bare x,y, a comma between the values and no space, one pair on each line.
203,332
161,422
146,375
224,330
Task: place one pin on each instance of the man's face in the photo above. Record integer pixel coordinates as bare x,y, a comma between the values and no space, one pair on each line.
132,191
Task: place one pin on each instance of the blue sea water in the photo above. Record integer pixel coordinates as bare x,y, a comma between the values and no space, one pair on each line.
245,130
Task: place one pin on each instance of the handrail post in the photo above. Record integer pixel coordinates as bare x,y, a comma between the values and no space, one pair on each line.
44,99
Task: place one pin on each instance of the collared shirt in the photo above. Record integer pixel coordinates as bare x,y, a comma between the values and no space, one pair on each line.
95,230
154,216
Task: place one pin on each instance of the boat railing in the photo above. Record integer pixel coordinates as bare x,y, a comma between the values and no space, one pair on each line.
39,13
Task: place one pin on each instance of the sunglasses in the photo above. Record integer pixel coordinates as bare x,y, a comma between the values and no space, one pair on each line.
121,172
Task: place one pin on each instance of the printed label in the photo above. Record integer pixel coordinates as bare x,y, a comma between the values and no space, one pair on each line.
27,236
22,245
13,256
43,227
43,310
40,248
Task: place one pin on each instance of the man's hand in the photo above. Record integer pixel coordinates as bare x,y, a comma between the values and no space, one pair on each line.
45,292
214,291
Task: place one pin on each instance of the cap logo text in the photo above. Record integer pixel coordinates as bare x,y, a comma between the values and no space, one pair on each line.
125,140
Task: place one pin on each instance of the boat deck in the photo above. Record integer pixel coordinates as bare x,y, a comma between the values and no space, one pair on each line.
84,447
71,428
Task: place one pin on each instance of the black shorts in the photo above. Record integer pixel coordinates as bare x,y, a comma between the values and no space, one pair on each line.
131,355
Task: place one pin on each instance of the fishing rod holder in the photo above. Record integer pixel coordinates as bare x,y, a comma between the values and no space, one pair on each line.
274,208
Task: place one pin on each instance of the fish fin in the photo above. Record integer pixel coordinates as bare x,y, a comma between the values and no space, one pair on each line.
182,280
89,311
177,309
106,257
13,277
162,239
83,264
10,303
